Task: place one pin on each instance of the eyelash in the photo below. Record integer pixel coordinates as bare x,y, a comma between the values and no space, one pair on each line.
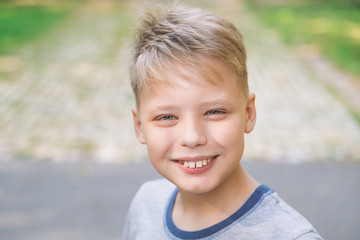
213,112
166,118
171,117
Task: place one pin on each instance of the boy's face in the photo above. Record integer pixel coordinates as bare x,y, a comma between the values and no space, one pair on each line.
194,129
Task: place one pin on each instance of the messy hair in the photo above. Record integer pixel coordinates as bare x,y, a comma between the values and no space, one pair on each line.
185,36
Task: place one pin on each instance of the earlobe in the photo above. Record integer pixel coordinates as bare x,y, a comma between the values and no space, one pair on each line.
138,126
250,113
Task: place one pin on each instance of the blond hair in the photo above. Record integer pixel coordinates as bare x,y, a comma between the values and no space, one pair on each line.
185,36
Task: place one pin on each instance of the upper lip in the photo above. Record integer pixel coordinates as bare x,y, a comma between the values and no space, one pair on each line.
195,159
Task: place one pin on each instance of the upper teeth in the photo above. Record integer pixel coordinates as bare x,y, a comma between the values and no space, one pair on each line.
197,164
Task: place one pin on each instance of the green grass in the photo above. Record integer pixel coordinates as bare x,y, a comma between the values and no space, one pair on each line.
22,23
333,27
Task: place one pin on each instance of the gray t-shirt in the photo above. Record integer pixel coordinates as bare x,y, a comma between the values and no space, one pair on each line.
264,216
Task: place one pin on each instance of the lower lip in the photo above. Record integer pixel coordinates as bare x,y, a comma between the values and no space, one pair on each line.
196,170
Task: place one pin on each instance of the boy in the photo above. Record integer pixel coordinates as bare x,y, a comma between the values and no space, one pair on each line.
193,106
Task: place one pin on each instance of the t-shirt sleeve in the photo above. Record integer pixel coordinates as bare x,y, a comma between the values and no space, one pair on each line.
134,214
312,235
131,222
147,209
128,230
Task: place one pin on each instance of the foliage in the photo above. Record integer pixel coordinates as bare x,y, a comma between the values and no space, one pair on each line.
21,23
333,27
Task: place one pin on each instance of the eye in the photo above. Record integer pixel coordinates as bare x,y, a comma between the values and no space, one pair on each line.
216,114
213,112
166,118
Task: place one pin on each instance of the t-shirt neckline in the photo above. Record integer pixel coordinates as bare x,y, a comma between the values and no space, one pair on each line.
256,197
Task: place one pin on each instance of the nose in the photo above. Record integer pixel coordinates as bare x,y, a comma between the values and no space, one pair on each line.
192,133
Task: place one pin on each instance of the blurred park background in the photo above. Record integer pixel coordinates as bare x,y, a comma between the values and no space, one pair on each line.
64,92
65,99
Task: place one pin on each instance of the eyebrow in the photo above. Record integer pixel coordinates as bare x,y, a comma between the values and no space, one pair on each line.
162,108
209,104
217,102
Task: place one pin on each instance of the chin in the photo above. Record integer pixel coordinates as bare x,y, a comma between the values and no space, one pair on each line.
196,187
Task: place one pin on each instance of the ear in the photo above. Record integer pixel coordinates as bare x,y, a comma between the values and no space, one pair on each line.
250,113
138,126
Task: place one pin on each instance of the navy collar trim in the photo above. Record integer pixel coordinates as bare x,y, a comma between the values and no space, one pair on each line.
257,196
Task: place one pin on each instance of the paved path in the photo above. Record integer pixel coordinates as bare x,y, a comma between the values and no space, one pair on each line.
298,119
66,96
69,97
87,200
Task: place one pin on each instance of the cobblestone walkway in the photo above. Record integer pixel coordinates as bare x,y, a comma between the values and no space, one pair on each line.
66,97
69,97
298,119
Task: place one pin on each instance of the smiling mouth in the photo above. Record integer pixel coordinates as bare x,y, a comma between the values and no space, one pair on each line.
196,164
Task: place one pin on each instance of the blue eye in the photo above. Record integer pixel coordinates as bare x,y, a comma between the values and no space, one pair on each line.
211,112
216,114
167,118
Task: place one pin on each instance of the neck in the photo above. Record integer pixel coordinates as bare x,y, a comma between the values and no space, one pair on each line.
194,212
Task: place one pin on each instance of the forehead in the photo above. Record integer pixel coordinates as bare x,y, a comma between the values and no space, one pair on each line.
214,83
205,70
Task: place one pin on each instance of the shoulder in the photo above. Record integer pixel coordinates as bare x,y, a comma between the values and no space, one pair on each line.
147,209
277,217
286,213
152,195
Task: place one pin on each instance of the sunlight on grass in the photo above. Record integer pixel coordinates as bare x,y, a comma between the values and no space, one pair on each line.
353,31
319,25
21,22
332,27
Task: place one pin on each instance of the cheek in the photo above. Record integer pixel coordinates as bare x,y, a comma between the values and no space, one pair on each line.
228,133
159,142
